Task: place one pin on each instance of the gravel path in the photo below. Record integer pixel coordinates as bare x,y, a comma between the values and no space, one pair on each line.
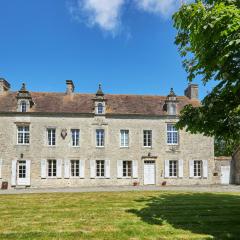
201,188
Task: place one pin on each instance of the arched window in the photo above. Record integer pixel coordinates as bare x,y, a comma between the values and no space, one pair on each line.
23,106
100,108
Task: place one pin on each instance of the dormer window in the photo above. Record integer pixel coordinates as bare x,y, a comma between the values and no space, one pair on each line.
171,103
172,109
100,108
23,106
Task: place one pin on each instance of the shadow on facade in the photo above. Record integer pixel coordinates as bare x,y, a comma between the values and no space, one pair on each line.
217,215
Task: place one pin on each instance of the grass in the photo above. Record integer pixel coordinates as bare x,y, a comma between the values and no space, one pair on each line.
128,215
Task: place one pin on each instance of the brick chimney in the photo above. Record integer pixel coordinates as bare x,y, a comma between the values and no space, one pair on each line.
70,87
4,86
192,91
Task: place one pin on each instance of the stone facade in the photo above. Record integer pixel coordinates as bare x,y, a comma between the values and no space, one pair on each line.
236,165
189,147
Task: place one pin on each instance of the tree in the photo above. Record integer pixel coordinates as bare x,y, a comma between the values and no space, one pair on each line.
208,38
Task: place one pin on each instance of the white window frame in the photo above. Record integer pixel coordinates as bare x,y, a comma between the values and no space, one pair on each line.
124,138
75,163
127,168
51,162
25,135
172,168
147,138
50,143
102,165
75,137
172,133
100,138
196,164
23,106
100,108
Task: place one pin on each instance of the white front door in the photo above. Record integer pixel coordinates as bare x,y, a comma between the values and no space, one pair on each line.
149,172
225,174
23,172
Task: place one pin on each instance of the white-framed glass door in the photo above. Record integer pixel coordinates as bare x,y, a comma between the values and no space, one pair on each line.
22,173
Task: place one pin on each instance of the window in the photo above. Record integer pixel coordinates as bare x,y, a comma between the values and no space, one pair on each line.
147,138
173,168
23,106
52,168
172,134
100,137
172,109
23,134
197,168
22,169
100,108
75,172
124,138
51,132
75,137
127,168
100,168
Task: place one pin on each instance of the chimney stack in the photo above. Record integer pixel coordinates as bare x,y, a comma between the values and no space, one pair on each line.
70,87
192,91
4,86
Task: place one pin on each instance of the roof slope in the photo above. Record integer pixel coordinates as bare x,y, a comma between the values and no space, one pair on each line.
83,103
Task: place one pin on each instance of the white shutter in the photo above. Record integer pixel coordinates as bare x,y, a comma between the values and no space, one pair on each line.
43,168
28,172
191,168
66,168
107,168
92,168
135,168
119,168
180,168
205,168
82,168
59,168
1,164
166,169
14,172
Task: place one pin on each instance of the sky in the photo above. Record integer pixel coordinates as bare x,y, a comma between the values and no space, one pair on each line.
126,45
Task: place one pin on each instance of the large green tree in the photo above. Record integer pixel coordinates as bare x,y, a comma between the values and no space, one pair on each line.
208,38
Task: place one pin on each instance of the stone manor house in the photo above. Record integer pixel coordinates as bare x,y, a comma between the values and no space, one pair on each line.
74,139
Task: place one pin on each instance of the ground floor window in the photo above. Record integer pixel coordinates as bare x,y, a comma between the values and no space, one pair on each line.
127,168
197,168
52,168
21,169
100,168
173,166
75,172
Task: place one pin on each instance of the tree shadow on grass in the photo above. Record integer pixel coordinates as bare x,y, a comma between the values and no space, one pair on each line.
217,215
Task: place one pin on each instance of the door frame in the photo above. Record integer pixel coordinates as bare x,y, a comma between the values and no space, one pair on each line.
155,175
26,181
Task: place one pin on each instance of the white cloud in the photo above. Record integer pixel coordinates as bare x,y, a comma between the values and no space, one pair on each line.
161,7
106,14
102,13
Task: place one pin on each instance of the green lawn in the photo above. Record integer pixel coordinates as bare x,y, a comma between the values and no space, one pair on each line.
128,215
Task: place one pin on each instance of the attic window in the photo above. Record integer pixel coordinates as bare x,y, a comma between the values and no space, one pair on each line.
100,108
172,110
23,106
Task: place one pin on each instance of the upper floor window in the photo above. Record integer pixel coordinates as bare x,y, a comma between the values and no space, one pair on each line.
172,109
124,138
23,135
100,137
51,133
75,137
100,109
147,138
172,134
23,106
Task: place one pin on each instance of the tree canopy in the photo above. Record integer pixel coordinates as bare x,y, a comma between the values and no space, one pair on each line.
208,38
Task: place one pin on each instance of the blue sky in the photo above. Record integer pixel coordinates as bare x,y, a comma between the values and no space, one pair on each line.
127,45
